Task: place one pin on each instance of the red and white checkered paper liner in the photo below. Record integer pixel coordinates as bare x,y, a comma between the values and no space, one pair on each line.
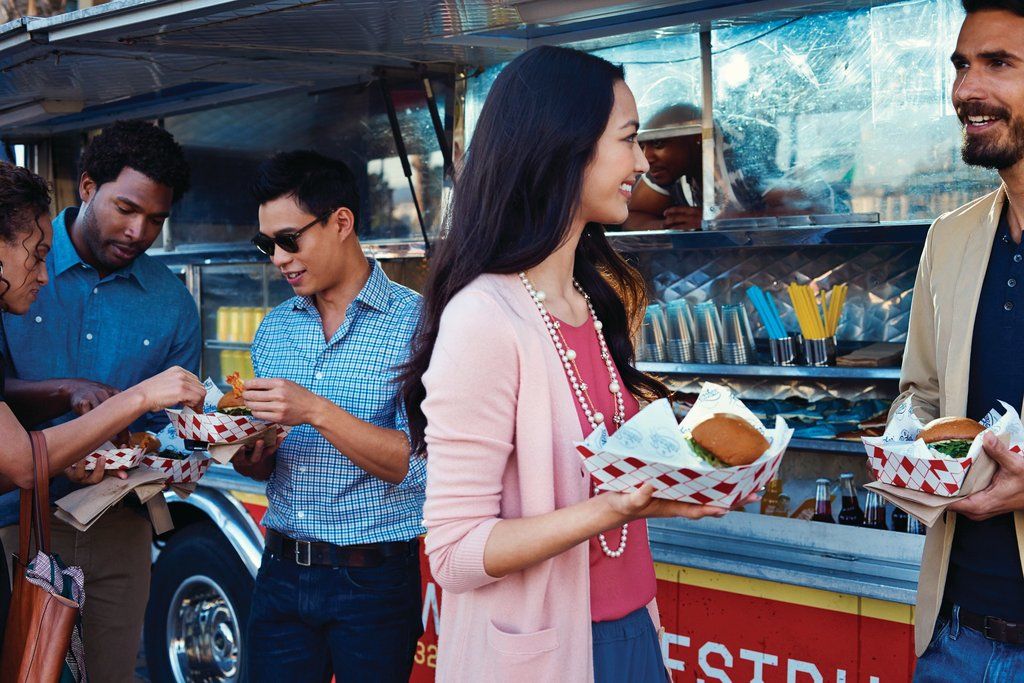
722,487
190,469
943,477
216,427
117,458
940,476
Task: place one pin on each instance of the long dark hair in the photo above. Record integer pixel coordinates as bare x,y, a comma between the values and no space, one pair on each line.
515,200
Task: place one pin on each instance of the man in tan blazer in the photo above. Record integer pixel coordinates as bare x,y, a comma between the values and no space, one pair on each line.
965,352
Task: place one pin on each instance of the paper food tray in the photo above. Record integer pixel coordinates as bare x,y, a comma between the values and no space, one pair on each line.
900,459
216,427
652,448
117,458
190,469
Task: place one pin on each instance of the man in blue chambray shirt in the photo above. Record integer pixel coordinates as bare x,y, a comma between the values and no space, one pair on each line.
339,586
115,316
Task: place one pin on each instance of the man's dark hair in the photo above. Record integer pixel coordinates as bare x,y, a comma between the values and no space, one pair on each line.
1014,6
24,197
318,183
141,146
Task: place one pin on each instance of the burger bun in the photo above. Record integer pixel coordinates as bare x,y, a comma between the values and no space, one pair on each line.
947,428
229,400
730,438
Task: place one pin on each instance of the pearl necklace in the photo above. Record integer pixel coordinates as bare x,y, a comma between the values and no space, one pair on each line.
579,387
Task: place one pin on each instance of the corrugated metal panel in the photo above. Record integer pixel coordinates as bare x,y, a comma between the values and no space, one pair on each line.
128,48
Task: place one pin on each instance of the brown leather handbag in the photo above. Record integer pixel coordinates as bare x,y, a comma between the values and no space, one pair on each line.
46,596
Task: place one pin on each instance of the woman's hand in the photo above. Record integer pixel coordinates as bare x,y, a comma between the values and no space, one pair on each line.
79,475
642,504
171,387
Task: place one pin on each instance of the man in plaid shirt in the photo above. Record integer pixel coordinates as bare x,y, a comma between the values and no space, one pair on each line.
339,586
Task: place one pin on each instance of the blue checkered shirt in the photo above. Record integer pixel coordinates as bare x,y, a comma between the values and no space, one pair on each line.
315,493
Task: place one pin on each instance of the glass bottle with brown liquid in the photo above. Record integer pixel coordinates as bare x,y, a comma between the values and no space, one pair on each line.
850,513
822,503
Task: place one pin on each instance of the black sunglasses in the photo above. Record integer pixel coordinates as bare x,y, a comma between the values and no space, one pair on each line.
288,241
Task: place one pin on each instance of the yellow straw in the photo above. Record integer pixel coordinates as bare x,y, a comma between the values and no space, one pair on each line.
810,314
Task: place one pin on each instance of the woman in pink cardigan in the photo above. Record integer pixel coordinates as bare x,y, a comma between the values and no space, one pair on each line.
525,347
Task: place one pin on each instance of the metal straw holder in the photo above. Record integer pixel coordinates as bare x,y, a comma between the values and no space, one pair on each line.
820,352
784,351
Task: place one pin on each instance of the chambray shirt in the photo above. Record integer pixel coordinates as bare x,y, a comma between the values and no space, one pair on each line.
315,493
119,330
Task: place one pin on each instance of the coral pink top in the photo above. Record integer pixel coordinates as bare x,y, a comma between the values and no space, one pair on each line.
622,584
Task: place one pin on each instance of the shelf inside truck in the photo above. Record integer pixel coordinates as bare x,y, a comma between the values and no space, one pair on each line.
725,370
818,236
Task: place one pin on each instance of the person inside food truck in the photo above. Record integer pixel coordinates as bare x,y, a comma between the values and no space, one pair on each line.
26,237
339,584
115,316
963,357
670,195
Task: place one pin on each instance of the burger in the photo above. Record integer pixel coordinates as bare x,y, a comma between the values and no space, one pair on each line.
951,436
144,440
232,404
726,440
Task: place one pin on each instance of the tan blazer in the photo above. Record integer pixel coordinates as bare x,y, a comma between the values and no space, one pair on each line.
936,364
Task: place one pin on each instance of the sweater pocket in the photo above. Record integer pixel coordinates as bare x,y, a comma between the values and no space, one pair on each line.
521,644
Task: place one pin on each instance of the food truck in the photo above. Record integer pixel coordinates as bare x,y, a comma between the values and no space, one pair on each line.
824,145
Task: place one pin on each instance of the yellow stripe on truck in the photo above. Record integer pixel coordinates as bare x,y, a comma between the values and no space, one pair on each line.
251,498
797,595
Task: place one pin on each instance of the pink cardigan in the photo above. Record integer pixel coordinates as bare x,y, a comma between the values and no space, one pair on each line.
501,423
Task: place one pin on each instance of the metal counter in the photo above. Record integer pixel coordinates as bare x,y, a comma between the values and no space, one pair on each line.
850,560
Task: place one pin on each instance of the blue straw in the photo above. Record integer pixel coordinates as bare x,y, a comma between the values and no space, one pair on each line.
771,322
778,318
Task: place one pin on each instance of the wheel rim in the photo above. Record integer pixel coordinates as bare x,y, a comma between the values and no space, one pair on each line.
203,640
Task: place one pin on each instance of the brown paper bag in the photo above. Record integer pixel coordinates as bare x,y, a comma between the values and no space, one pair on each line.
83,507
223,453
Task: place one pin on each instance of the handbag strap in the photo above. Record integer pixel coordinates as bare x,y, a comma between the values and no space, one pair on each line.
34,518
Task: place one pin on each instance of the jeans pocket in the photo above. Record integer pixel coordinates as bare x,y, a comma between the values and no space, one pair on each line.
939,634
393,575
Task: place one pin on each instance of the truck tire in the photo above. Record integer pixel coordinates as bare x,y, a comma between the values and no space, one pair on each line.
199,604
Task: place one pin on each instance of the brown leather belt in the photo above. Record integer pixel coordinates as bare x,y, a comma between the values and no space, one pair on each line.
307,553
993,628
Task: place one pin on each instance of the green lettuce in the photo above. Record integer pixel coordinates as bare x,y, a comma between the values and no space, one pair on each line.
954,448
704,454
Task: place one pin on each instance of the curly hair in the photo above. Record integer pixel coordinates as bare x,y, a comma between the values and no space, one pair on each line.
141,146
24,196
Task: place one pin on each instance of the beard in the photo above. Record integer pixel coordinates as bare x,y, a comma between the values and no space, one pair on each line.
997,154
94,242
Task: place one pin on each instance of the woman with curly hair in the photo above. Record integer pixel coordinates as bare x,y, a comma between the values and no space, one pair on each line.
25,238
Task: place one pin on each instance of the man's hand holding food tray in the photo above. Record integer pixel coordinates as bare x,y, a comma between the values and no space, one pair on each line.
925,468
718,455
226,425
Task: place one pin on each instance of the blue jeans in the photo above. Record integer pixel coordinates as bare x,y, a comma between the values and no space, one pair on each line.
362,624
963,655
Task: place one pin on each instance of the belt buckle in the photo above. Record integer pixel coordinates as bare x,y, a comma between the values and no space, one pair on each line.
989,630
298,553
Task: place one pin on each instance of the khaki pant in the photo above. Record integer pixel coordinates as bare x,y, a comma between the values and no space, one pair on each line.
115,554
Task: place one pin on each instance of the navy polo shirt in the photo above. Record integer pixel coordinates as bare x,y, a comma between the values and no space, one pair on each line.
984,565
